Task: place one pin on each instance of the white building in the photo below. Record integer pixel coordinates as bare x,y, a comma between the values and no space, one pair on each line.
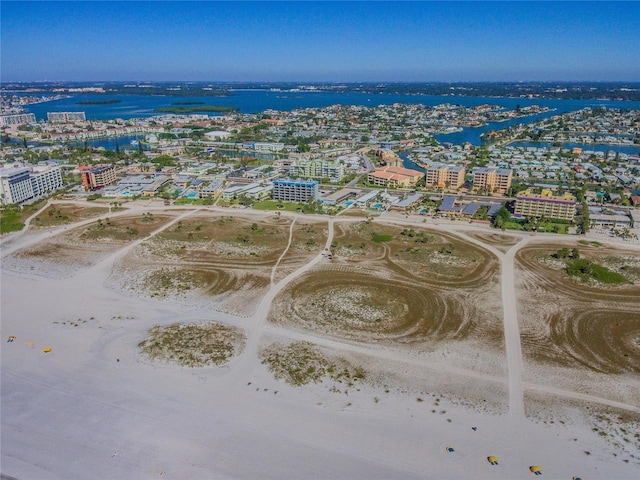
255,191
17,119
66,117
268,147
295,190
317,168
18,185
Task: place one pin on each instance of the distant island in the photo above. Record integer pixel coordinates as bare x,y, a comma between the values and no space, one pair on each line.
98,102
564,90
199,108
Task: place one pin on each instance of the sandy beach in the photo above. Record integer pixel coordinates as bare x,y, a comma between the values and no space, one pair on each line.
96,407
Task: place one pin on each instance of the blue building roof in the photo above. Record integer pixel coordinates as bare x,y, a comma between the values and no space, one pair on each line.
493,209
471,208
448,205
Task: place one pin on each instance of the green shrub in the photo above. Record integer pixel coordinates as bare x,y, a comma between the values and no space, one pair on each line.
586,269
604,275
380,238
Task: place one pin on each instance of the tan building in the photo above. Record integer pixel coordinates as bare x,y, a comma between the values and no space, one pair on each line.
440,175
492,179
391,176
545,204
98,176
436,175
455,177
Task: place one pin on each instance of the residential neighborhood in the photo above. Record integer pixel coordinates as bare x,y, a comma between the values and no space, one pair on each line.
343,156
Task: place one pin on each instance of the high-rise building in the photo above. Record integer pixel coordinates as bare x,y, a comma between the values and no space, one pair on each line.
19,185
98,176
17,119
492,179
441,175
317,168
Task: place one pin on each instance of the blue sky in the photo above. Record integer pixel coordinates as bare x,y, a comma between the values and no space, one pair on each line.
320,41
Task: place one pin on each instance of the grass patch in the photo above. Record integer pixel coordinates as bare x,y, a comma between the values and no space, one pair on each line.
301,363
590,243
12,217
10,221
381,238
166,281
65,214
106,229
284,206
513,226
586,269
192,345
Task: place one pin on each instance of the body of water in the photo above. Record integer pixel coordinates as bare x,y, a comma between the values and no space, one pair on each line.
109,143
408,163
255,101
244,153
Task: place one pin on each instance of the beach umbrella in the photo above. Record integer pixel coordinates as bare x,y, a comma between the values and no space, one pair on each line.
450,449
47,350
536,470
492,460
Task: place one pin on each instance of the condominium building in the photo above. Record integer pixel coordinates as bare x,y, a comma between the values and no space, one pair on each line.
17,119
504,177
255,191
441,175
45,180
390,176
435,175
66,117
264,146
545,204
317,168
492,179
295,190
98,176
19,185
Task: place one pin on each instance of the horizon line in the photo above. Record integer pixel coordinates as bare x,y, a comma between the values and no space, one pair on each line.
336,82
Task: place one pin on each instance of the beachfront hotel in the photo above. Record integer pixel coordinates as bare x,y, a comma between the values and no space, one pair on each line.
20,185
545,204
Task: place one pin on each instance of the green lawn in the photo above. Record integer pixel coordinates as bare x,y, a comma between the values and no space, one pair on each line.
286,206
380,238
10,221
12,218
